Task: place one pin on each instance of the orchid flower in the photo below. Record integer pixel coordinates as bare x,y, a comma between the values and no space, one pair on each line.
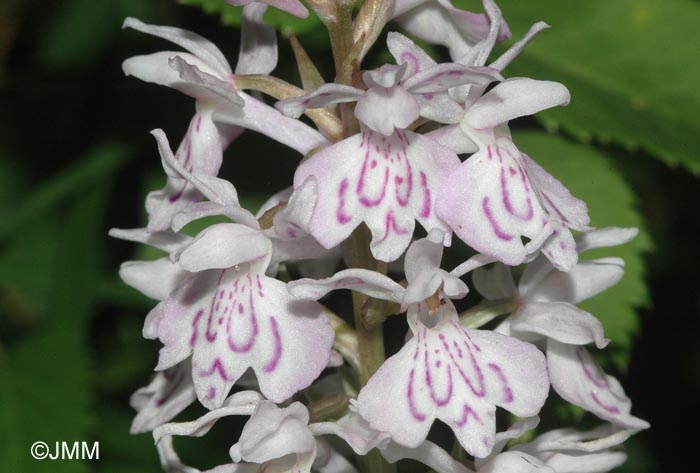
386,176
439,22
444,371
230,316
546,310
222,111
499,194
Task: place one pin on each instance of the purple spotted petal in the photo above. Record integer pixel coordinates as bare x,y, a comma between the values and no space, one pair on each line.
455,375
201,153
234,319
579,379
407,52
386,182
294,7
490,204
168,394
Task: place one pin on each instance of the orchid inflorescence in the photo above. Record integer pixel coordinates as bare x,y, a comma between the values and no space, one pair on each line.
384,152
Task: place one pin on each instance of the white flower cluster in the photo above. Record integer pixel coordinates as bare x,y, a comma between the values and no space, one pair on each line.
228,317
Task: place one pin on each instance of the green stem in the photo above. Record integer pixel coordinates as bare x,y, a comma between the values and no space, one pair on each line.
370,339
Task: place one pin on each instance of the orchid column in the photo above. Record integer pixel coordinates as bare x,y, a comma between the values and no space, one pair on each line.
391,145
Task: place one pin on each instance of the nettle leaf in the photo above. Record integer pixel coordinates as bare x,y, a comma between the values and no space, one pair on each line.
631,66
232,15
590,174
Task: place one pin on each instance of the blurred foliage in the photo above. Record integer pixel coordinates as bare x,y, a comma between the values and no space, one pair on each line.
71,350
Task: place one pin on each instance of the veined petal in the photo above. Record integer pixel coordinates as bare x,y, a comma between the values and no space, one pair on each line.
367,282
515,98
257,116
387,182
199,155
324,96
192,42
458,376
560,321
294,7
154,279
258,51
225,245
168,394
235,319
215,189
490,204
582,282
407,52
579,379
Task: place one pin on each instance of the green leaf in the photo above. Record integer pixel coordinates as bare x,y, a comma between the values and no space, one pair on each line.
591,175
46,384
232,16
631,66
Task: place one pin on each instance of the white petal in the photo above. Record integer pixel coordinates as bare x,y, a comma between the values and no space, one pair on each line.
605,237
494,283
257,116
225,245
240,404
155,279
454,138
513,52
192,42
166,241
386,76
208,209
516,462
274,432
514,98
324,96
386,109
168,394
407,52
577,378
448,75
367,282
193,74
560,321
258,51
584,281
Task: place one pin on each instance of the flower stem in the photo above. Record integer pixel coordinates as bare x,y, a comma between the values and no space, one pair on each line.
370,339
